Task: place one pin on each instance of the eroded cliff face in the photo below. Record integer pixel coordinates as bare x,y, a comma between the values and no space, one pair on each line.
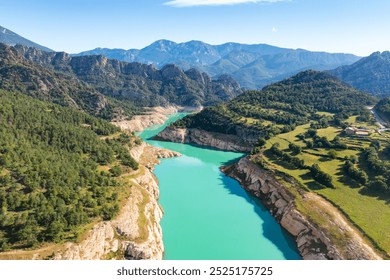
335,238
135,233
205,138
152,116
155,115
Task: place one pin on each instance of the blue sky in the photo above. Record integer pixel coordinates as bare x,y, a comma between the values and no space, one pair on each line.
353,26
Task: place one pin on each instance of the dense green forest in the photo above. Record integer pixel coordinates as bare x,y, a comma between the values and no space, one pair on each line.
282,106
49,178
383,108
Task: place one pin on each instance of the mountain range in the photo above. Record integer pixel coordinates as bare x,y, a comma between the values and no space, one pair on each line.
80,81
253,66
370,74
11,38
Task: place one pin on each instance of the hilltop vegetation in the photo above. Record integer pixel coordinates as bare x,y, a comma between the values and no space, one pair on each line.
383,108
282,106
50,184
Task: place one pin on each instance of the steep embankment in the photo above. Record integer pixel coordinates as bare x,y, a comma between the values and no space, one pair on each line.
205,138
135,233
152,116
333,238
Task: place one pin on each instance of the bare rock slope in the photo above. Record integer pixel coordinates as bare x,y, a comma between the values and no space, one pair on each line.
334,238
205,138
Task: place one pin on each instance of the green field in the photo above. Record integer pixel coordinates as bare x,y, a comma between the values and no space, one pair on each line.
369,213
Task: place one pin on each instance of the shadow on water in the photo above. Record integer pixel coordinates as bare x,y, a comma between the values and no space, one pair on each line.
270,228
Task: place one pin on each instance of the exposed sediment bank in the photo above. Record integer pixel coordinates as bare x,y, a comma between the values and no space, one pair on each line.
152,116
334,239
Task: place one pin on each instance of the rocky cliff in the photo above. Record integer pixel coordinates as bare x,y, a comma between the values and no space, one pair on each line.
22,74
152,116
333,238
205,138
135,233
143,84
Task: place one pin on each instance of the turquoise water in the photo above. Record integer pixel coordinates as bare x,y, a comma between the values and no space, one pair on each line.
207,215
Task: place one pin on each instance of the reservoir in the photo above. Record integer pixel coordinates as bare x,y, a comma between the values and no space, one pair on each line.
207,215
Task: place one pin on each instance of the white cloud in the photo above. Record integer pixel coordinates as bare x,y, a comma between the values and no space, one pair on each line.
274,29
192,3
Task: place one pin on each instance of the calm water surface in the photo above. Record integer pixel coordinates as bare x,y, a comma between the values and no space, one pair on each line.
207,215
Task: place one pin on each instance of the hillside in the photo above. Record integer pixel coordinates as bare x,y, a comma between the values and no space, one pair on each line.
370,74
383,108
10,38
138,83
51,171
23,75
253,66
282,106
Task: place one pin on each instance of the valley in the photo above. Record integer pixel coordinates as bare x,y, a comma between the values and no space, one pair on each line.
193,151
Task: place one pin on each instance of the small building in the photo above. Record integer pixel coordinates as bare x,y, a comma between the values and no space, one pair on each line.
359,132
350,130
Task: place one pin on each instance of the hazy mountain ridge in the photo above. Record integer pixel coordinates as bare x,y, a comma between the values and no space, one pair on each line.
11,38
253,66
370,74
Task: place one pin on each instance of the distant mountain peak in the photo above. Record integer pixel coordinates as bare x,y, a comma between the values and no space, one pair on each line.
11,38
162,45
370,74
252,65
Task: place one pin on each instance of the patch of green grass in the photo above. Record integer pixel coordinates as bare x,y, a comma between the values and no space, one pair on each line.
142,219
368,213
290,137
325,114
330,132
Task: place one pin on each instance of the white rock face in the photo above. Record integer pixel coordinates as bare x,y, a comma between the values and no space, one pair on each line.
155,115
314,241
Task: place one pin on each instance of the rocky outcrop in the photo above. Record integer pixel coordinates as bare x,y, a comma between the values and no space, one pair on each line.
144,84
152,116
135,233
156,115
205,138
314,240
